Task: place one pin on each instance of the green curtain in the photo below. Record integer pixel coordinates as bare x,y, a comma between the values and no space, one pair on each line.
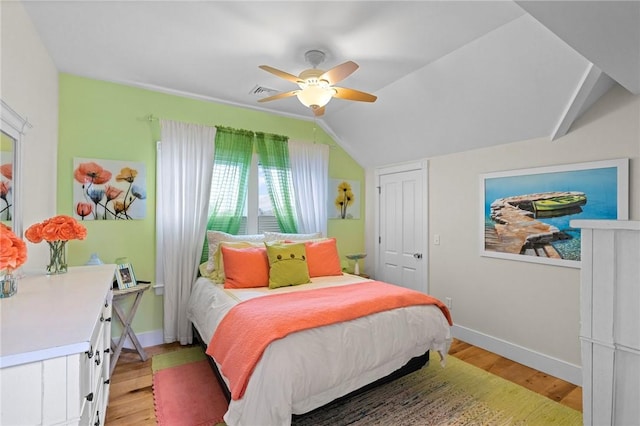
273,153
231,165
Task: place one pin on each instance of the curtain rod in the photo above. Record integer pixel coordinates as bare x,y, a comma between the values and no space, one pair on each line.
151,118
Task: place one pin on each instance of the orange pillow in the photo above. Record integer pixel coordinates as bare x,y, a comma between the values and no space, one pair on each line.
322,257
245,267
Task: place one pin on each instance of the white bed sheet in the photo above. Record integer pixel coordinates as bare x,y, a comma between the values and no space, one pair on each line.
288,380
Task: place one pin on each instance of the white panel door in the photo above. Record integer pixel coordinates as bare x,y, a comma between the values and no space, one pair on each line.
401,239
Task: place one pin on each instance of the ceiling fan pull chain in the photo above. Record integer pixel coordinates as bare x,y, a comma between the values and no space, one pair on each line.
314,128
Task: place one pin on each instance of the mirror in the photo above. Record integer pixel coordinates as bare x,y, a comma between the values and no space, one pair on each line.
6,178
11,133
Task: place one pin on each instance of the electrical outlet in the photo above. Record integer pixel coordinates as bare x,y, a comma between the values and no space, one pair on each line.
449,303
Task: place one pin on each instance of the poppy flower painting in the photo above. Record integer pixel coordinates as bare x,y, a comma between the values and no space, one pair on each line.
109,189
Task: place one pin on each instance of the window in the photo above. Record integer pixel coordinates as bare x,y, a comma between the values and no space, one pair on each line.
267,221
258,215
247,198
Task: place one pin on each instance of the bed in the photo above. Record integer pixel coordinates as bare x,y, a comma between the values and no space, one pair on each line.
309,368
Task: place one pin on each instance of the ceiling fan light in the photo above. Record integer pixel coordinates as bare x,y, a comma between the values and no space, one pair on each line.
315,96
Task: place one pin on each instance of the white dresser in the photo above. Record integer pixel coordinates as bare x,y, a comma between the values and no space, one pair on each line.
55,348
610,321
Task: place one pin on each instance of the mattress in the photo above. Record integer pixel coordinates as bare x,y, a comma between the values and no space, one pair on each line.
311,368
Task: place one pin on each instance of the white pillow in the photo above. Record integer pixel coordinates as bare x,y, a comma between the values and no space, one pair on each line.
276,236
216,237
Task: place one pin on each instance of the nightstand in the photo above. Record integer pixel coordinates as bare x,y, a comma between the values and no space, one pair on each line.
126,318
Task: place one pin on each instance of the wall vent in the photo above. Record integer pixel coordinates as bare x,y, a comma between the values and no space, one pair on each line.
262,91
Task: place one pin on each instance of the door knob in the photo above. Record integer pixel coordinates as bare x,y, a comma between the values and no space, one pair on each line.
417,255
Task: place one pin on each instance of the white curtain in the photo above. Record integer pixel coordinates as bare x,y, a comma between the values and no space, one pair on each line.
309,164
185,165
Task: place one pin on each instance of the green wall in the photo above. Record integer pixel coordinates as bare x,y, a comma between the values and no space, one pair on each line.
108,121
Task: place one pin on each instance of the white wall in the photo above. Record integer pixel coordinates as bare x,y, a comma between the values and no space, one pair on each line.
524,310
29,85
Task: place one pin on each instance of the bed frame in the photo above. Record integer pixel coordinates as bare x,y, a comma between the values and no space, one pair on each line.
412,365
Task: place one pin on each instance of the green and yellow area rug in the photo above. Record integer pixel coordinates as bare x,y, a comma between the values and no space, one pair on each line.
458,394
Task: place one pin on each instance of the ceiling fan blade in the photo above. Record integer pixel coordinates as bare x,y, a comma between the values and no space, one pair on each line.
339,73
318,111
290,77
279,96
353,95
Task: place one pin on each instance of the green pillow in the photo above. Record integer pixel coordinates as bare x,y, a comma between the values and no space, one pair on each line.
287,264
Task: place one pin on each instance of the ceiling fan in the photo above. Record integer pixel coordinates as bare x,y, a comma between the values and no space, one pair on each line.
317,86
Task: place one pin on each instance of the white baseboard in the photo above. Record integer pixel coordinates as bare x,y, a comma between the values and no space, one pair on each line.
148,338
561,369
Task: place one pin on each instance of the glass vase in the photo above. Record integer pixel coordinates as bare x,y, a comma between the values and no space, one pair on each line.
57,257
8,284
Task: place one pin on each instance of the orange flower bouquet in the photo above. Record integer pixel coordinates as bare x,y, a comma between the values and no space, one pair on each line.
56,231
13,253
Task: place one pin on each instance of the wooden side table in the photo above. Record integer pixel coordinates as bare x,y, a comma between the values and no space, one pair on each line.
126,318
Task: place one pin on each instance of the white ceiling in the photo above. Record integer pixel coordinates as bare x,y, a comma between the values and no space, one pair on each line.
449,75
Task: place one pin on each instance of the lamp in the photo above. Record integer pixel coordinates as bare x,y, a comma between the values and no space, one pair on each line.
315,96
94,260
315,92
356,257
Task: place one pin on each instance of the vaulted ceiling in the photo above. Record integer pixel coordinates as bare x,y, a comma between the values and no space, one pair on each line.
449,75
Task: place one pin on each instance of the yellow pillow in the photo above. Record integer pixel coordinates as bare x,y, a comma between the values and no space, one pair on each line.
204,272
287,264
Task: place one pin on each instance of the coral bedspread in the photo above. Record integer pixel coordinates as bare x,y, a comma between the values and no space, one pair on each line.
273,317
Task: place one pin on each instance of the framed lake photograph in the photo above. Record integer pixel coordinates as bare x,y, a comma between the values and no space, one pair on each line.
526,213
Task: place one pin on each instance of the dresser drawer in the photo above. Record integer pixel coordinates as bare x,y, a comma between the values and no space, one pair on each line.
107,312
95,368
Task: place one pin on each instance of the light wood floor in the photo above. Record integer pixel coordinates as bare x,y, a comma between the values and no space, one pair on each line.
131,397
560,391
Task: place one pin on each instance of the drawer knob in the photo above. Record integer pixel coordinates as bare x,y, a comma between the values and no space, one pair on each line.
90,397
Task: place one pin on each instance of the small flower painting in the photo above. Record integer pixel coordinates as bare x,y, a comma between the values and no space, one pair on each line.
109,189
344,199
